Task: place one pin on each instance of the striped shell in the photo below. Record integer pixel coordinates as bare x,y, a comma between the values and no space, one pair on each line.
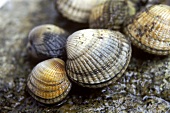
111,14
150,29
97,57
77,10
48,82
47,41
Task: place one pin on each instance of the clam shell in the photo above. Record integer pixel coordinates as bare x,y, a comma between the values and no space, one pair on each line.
48,82
150,29
77,10
111,14
47,41
97,57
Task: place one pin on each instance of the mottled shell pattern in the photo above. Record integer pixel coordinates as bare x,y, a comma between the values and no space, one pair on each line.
77,10
48,82
97,57
47,41
111,14
150,29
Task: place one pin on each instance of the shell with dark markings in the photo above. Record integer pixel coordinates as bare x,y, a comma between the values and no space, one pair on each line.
97,57
111,14
150,29
47,41
48,82
77,10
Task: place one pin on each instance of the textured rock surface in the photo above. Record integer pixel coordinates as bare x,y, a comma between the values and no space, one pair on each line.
145,86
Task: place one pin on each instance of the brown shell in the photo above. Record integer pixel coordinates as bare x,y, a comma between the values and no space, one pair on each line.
150,29
47,41
48,82
97,57
77,10
111,14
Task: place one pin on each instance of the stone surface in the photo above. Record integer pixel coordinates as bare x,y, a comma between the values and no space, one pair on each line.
145,86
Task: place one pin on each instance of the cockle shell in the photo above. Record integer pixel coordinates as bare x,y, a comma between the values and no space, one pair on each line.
48,82
47,41
111,14
97,57
77,10
150,29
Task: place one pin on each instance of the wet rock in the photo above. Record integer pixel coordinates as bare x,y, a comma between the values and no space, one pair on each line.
153,80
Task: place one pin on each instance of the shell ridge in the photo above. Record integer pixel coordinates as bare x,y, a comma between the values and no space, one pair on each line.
59,40
81,73
110,52
39,83
84,51
39,54
100,67
160,20
45,93
89,57
148,38
90,49
52,100
112,62
78,14
69,67
32,83
87,49
117,57
144,47
53,75
82,64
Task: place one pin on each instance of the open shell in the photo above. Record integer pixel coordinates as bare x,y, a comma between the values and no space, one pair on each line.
150,29
47,41
48,82
77,10
111,14
97,57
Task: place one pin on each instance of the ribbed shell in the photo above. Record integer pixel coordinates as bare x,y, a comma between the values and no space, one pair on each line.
77,10
97,58
111,14
48,82
150,29
47,41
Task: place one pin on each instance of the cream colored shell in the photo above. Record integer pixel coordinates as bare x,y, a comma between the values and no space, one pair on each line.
150,29
48,82
97,57
77,10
